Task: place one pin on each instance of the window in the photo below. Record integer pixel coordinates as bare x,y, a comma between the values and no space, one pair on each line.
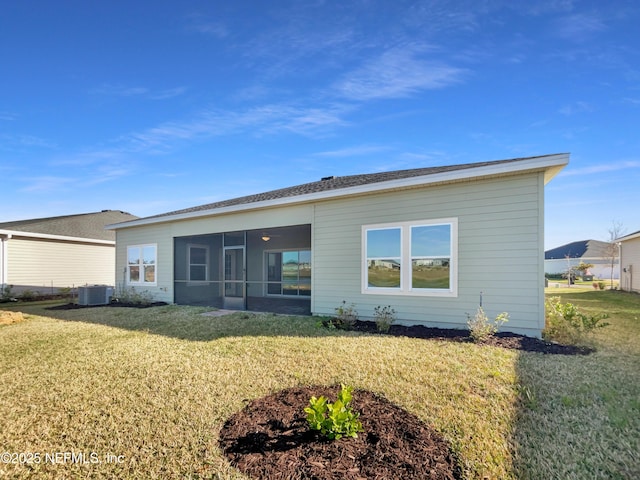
289,272
411,258
141,264
198,261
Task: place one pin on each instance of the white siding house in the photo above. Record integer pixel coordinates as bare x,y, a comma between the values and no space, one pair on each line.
46,254
630,262
429,242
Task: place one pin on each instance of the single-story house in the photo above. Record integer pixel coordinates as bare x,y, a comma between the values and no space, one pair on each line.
560,259
43,255
429,242
630,262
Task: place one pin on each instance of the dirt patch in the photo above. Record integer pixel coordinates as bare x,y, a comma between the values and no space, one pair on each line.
8,318
270,440
501,339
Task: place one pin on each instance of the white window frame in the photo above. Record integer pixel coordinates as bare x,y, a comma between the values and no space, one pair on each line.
406,258
189,264
141,265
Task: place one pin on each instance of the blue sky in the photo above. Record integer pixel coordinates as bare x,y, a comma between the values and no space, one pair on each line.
149,106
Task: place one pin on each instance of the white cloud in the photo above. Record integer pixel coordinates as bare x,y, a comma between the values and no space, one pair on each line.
203,24
47,184
601,168
353,151
579,26
261,120
12,142
575,108
398,73
142,92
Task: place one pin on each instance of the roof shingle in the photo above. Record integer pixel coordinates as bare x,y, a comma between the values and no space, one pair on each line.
84,225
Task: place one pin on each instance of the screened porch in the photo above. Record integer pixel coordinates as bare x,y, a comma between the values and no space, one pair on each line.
259,270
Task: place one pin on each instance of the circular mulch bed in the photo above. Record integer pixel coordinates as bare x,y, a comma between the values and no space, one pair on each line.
501,339
270,440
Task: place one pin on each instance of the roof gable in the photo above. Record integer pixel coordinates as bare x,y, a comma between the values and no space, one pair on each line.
333,187
579,249
85,225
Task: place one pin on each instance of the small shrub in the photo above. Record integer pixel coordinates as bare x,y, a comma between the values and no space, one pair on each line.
334,420
602,285
595,285
564,323
28,295
481,328
346,316
65,291
7,295
384,317
134,297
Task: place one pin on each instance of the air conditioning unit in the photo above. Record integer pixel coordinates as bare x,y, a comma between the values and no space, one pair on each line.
94,295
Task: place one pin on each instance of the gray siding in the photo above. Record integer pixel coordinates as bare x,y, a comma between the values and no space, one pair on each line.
499,246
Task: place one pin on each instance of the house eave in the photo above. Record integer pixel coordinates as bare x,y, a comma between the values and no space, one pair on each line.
45,236
631,236
549,164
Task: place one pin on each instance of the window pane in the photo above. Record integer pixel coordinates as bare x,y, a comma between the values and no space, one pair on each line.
149,255
150,273
290,266
134,274
198,256
383,243
233,239
430,273
290,288
431,241
133,255
384,273
304,267
198,273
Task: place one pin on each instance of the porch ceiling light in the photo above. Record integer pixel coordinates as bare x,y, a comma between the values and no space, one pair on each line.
266,238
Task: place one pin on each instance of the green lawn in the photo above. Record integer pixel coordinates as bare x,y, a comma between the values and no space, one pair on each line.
144,393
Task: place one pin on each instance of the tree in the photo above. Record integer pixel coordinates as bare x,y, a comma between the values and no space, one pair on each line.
612,249
583,268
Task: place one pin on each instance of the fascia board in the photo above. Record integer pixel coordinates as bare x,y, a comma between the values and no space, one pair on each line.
631,236
62,238
550,164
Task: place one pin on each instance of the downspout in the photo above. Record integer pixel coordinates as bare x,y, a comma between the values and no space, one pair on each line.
4,259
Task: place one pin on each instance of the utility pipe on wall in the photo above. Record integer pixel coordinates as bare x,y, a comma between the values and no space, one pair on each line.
4,259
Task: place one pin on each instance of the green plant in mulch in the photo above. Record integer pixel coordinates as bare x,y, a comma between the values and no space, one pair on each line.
134,297
346,316
481,328
334,420
384,317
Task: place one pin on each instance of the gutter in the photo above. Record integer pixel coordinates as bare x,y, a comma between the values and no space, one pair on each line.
4,259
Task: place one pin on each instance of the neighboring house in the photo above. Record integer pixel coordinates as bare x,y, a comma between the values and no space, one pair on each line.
559,260
430,242
44,255
630,262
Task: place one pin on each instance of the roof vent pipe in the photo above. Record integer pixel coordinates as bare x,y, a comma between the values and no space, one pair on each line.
323,179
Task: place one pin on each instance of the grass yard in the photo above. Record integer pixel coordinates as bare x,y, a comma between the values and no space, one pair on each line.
144,393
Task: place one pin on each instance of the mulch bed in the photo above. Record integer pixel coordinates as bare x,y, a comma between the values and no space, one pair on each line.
270,440
500,339
75,306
